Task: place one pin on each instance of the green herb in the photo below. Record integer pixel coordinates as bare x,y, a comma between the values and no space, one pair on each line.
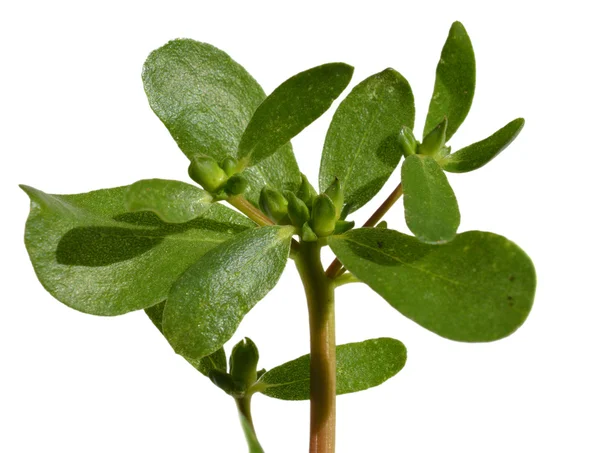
198,267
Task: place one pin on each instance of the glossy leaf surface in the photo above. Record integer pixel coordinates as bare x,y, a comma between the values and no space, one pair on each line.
362,147
454,82
216,361
293,105
479,287
206,100
478,154
359,366
171,201
207,303
94,256
430,207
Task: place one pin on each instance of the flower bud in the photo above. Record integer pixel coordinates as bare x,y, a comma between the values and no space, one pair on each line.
273,203
336,194
236,184
297,210
306,192
206,172
323,216
243,362
229,166
307,234
408,142
435,140
383,225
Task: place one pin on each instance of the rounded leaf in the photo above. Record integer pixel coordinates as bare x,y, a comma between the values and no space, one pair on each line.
479,287
207,303
291,107
96,257
362,147
430,207
360,366
454,82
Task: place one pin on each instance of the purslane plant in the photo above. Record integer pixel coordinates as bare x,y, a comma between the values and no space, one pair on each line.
197,267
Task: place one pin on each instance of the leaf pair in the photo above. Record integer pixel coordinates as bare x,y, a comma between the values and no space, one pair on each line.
430,205
360,366
479,287
213,107
94,256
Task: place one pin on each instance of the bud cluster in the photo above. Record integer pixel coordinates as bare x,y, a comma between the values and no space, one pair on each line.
314,215
434,143
220,180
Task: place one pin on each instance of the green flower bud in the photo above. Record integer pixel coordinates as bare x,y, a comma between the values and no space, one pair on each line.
408,142
206,172
323,216
236,184
435,140
336,194
273,203
222,380
243,362
341,226
229,165
307,234
382,224
297,210
306,192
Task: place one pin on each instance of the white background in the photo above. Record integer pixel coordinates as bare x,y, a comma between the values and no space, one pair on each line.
74,118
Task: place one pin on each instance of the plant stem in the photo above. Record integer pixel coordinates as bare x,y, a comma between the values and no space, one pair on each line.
243,405
321,312
251,211
335,268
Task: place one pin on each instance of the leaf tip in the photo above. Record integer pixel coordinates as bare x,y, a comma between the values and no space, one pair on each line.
457,26
30,191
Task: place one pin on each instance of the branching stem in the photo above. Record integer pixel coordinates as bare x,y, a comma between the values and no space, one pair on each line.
335,269
253,213
256,215
321,310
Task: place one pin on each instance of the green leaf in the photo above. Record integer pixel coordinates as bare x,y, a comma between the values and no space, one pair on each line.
454,82
206,100
94,256
293,105
479,287
478,154
171,201
360,366
430,206
207,303
251,439
362,147
216,361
